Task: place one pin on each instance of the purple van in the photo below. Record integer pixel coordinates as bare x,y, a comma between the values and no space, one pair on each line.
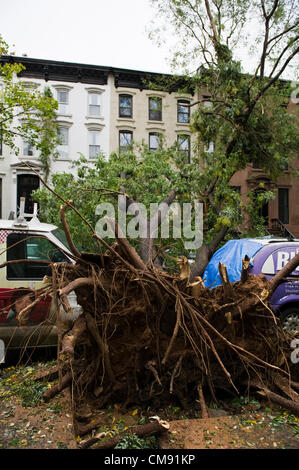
267,256
285,300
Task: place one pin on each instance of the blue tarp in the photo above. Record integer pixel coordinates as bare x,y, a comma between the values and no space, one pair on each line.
231,255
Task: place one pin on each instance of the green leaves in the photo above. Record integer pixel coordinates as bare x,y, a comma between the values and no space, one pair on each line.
26,112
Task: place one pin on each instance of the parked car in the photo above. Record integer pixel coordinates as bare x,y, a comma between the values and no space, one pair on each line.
39,244
267,256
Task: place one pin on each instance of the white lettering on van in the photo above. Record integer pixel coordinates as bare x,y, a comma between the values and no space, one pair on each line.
282,259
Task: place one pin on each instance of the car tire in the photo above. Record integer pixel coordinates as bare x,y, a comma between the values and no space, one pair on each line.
290,319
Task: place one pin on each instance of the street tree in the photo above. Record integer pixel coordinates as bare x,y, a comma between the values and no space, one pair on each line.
26,112
244,115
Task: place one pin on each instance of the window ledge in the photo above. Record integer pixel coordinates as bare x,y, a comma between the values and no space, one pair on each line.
28,157
59,115
100,118
122,119
151,121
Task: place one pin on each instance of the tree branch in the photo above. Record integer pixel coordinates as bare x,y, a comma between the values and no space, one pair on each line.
67,232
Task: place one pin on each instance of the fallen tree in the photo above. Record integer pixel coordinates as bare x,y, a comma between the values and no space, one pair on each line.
150,338
146,337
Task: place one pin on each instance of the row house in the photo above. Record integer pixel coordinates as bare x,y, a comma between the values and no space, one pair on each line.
100,110
104,110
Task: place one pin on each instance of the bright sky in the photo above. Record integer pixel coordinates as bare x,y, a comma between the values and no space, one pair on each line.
98,32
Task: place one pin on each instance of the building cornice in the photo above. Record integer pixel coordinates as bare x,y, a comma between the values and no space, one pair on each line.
52,70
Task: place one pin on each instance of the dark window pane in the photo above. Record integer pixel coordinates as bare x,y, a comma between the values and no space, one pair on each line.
183,111
184,145
155,109
125,106
20,246
125,140
27,149
25,185
283,205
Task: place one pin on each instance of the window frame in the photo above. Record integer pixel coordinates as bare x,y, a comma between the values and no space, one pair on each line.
27,148
130,108
284,212
154,134
181,113
65,153
187,138
21,244
94,149
125,148
64,111
26,183
99,105
157,112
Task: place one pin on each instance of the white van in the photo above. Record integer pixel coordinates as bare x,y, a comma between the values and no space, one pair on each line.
39,244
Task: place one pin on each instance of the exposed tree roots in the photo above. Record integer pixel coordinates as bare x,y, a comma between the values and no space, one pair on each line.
146,337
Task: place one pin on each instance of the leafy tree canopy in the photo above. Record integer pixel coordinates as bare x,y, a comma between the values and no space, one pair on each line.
244,116
26,112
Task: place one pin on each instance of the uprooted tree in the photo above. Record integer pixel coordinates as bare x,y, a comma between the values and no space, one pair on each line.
147,337
244,115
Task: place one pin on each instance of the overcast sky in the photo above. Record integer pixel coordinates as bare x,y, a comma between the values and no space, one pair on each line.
99,32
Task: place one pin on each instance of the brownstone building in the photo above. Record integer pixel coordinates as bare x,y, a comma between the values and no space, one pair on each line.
281,214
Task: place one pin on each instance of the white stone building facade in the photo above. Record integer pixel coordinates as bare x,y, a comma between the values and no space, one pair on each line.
83,120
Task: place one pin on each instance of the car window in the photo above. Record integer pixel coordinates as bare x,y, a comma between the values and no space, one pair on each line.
278,259
36,248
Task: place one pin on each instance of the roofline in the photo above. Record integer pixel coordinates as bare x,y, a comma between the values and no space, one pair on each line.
53,70
104,68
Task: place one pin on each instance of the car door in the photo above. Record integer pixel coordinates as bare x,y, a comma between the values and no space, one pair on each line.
17,289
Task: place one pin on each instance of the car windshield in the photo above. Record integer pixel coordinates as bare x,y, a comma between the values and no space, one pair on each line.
58,233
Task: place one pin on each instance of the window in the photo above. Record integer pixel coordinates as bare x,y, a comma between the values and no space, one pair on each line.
63,101
35,248
263,210
27,148
94,143
125,140
63,147
183,111
94,104
125,106
155,109
283,205
25,185
206,103
184,145
209,148
154,141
